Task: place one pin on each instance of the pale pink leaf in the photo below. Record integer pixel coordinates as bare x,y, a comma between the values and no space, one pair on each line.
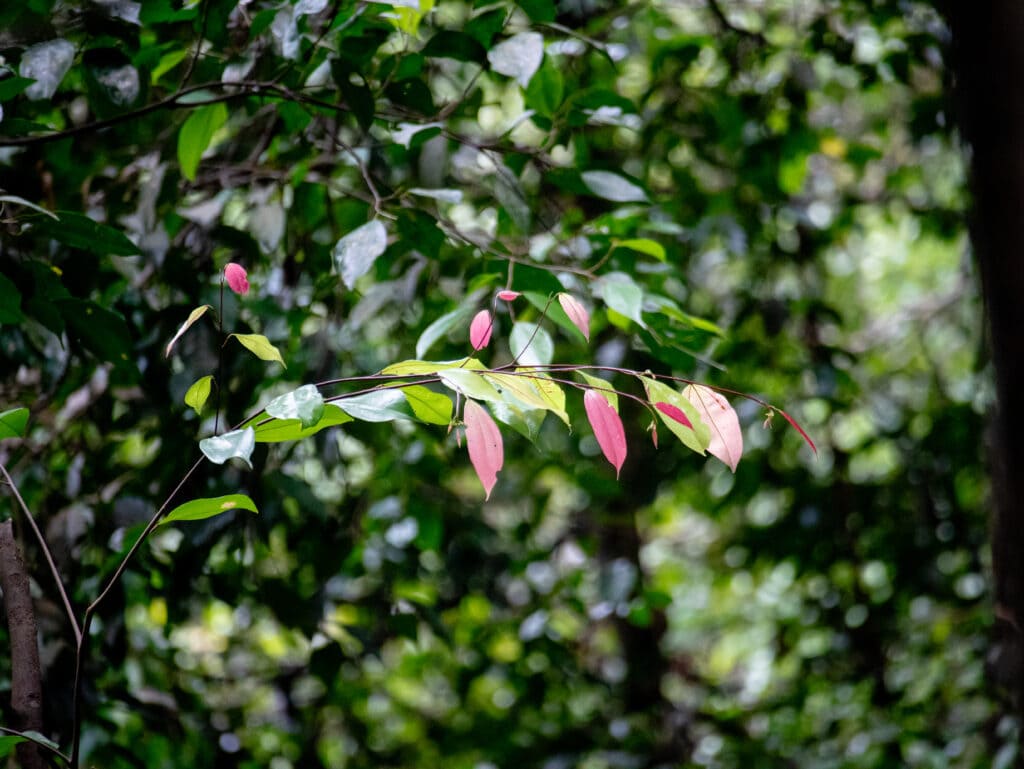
480,329
674,412
577,313
237,278
607,428
720,417
484,443
508,296
800,430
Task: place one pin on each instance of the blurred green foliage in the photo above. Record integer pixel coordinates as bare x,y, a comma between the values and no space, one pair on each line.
763,196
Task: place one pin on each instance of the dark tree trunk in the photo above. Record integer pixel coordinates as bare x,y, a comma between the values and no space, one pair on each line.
988,67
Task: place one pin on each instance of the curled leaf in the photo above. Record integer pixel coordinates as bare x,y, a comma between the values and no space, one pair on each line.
509,296
305,404
237,444
715,411
800,430
483,440
674,412
193,316
577,313
480,329
607,428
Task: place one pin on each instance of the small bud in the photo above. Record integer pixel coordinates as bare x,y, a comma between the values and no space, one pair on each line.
237,278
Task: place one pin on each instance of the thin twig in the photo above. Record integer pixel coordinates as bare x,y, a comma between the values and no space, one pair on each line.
46,554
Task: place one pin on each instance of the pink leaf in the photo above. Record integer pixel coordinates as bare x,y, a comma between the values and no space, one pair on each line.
237,278
508,296
674,412
720,417
800,430
607,428
480,329
577,313
484,443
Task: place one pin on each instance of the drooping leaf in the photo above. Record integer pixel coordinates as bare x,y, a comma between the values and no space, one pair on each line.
483,440
237,444
429,406
531,344
260,346
199,509
613,187
470,384
519,56
696,437
193,316
526,422
607,426
196,134
526,391
674,412
602,386
280,430
376,406
799,429
715,411
304,403
577,313
13,423
198,393
355,253
480,329
550,392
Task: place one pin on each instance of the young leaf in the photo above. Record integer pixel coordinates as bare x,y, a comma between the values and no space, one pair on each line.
717,414
429,406
13,423
508,296
483,440
196,395
196,134
607,428
193,316
279,430
698,436
235,444
260,346
356,252
577,313
198,509
800,430
305,404
674,412
480,329
604,387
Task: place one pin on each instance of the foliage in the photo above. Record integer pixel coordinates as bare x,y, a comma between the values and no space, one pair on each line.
763,200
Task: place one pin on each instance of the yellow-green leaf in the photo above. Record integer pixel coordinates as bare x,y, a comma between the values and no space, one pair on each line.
193,316
421,367
604,387
198,509
429,406
196,134
260,346
279,430
197,394
13,423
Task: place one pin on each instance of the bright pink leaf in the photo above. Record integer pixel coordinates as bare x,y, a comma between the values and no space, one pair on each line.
800,430
607,428
674,412
237,278
484,443
577,313
508,296
480,329
720,417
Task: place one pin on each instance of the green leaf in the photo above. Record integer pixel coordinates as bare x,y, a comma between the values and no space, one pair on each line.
698,438
546,92
429,406
279,430
305,404
199,509
644,246
197,394
526,422
552,394
260,346
79,231
375,406
193,316
470,384
448,44
101,331
540,11
237,444
613,187
12,86
196,134
531,345
10,302
432,333
602,386
623,295
8,742
13,423
28,204
355,253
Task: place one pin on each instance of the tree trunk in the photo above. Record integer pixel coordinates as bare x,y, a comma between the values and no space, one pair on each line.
988,64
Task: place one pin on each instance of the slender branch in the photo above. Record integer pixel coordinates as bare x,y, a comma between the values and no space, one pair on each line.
46,554
76,727
199,46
